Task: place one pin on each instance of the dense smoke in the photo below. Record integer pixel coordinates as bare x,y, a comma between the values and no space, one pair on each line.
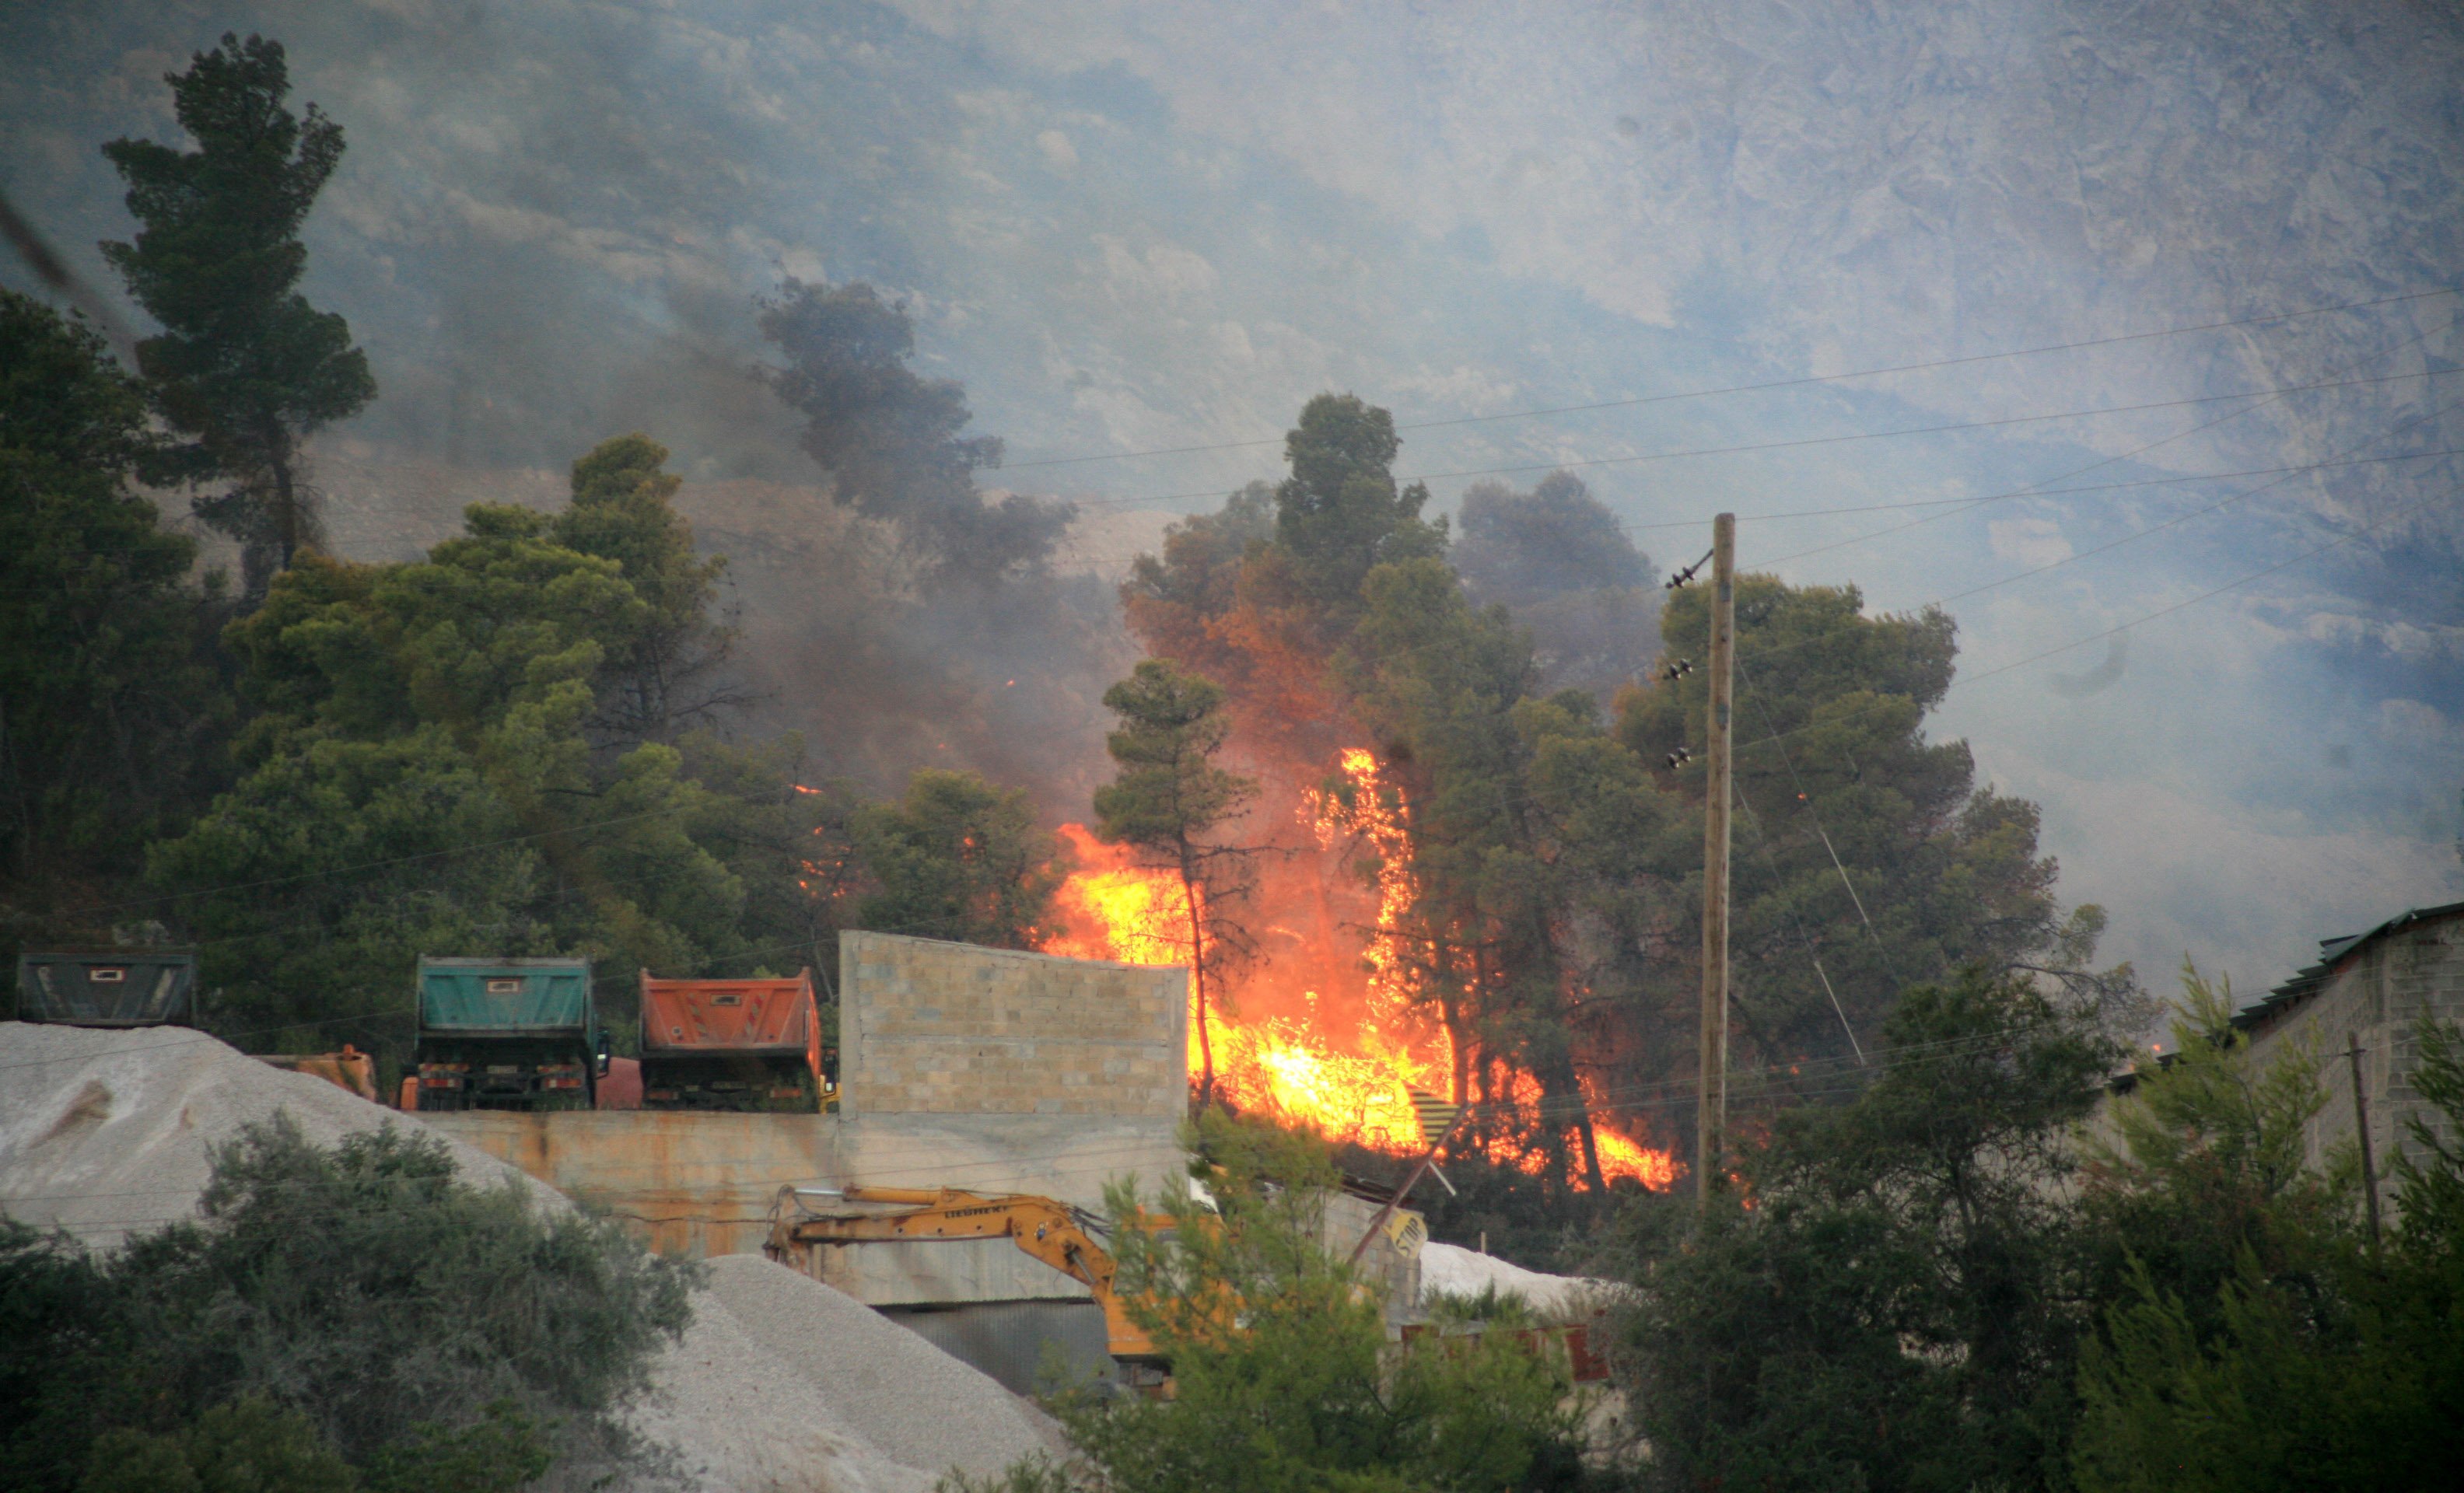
905,617
890,439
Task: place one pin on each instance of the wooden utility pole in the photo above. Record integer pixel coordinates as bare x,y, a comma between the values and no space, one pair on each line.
1712,1106
2361,1129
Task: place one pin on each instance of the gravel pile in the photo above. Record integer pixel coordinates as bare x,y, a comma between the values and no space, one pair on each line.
107,1132
782,1385
1452,1270
781,1378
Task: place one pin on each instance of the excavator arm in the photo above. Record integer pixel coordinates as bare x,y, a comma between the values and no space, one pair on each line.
1049,1231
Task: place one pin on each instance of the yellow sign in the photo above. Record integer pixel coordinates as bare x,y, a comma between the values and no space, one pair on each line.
1437,1115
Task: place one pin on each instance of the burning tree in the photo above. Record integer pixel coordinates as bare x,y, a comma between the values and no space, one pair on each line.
1520,931
1169,794
1385,710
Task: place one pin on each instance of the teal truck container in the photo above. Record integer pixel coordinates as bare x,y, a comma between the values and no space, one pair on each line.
508,1034
118,987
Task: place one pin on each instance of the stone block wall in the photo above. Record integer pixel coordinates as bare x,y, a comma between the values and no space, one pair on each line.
927,1027
2378,996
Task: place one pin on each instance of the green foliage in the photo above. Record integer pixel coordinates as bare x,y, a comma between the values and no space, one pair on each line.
500,1452
244,367
1341,512
1897,1307
423,1329
956,858
1948,874
1555,864
2315,1363
2204,1165
1520,548
1503,796
1562,564
435,765
1283,1377
246,1445
657,678
109,708
1169,789
2429,1174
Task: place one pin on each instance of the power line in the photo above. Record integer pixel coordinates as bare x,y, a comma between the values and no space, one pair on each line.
1806,442
2163,611
1765,385
2139,450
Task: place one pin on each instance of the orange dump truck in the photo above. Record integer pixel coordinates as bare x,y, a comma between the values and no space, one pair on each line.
731,1045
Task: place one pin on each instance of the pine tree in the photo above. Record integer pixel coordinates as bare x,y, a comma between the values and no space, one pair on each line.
1169,794
245,368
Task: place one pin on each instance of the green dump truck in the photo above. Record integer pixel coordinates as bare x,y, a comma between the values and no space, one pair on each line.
116,987
508,1034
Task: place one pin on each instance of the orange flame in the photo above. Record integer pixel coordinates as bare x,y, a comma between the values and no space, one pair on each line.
1348,1082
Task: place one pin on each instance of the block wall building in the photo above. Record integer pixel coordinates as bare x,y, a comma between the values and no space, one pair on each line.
945,1029
2373,989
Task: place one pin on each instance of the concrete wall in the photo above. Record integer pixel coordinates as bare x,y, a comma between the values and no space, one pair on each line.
698,1184
927,1027
961,1067
2378,993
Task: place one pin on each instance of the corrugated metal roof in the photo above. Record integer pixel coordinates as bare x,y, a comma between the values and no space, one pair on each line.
2311,979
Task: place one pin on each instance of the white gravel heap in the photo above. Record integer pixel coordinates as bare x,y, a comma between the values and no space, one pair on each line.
781,1375
781,1384
105,1134
1452,1270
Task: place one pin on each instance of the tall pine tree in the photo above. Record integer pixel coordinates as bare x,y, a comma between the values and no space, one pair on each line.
245,369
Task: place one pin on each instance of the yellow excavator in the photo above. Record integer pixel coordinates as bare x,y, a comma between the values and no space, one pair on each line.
1053,1232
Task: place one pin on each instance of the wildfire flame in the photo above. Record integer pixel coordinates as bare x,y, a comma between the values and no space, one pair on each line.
1290,1056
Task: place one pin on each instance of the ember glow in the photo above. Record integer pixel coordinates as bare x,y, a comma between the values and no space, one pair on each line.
1288,1040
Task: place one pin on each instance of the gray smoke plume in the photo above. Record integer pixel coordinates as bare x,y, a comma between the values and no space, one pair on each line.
1558,560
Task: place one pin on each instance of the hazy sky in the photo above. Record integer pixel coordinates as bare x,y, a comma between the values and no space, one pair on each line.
1131,227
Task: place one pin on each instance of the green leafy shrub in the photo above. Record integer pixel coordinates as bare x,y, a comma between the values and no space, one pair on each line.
414,1320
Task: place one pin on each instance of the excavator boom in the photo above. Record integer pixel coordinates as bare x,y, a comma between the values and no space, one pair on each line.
1049,1231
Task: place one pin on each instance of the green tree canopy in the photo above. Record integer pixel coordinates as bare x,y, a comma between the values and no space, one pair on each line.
244,367
1898,1307
2312,1358
422,775
346,1304
956,858
623,510
1341,511
1283,1379
1862,843
110,710
1561,562
1519,548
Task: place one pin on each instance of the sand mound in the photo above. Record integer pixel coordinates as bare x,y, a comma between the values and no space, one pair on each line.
1452,1270
105,1134
782,1385
783,1382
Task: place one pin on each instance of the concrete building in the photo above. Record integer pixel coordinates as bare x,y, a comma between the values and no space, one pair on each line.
2371,989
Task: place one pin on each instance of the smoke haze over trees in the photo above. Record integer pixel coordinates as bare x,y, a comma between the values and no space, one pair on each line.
1114,256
